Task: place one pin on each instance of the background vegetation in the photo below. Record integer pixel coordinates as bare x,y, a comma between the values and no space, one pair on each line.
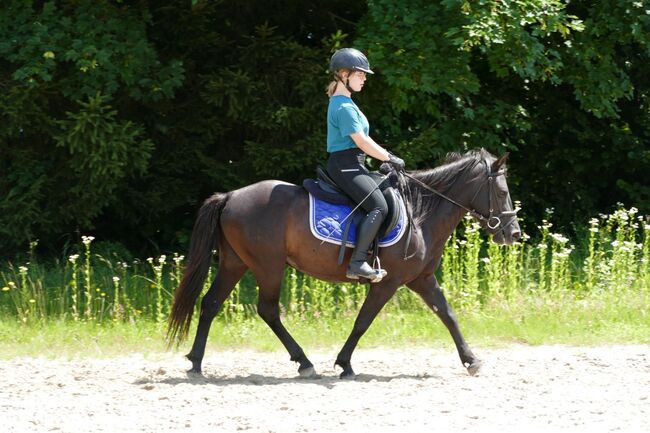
547,291
117,118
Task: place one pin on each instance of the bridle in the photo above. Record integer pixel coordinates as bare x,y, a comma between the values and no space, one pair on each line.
493,222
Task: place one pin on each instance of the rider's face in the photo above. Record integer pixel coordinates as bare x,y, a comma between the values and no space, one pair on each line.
357,80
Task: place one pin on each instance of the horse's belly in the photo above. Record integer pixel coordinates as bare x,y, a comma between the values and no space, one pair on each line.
319,260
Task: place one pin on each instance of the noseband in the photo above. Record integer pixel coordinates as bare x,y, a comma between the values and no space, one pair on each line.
493,222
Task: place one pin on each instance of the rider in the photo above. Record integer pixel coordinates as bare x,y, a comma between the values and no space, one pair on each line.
348,143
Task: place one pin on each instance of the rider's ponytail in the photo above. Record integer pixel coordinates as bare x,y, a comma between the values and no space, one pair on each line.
331,87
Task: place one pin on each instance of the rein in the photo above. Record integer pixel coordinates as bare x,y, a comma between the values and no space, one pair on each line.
493,227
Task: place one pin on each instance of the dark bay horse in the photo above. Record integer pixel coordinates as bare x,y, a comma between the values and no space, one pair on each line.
264,227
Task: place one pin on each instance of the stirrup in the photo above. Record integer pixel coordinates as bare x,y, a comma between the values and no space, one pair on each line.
374,275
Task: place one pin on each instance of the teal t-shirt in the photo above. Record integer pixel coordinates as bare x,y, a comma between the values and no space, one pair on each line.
344,118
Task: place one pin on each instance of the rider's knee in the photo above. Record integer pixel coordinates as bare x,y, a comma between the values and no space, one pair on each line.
383,208
380,211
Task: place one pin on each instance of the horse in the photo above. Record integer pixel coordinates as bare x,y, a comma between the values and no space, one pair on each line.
264,227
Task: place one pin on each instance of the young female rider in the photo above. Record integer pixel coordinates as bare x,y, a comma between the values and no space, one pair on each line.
348,143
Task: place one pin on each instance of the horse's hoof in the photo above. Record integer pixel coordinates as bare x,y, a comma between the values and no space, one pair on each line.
194,372
307,373
474,368
348,373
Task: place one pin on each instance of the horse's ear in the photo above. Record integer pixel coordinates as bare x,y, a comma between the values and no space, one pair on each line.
496,165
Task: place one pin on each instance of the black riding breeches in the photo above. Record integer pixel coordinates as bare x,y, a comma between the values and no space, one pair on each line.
348,170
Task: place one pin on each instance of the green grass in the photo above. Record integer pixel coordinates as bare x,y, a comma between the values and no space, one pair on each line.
525,321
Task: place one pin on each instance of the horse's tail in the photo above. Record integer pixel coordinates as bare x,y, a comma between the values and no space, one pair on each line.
204,241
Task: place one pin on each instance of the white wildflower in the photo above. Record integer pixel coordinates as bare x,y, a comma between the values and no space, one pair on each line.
73,258
116,279
23,269
559,238
87,239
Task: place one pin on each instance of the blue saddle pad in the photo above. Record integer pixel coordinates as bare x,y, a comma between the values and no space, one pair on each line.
327,222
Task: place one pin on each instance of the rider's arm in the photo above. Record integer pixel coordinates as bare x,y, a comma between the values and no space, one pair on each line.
369,146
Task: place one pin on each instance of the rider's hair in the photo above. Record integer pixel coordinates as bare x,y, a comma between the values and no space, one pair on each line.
331,87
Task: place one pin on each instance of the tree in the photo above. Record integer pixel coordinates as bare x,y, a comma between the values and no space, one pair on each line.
65,150
557,84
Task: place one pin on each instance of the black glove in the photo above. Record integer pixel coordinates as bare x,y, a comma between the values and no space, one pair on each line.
397,163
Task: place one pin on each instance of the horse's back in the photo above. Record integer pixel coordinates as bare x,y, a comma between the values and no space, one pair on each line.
262,198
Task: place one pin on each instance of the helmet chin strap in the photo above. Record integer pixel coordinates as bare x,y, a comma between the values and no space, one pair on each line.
346,83
347,86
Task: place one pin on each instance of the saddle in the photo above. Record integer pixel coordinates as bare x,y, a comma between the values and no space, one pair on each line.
325,189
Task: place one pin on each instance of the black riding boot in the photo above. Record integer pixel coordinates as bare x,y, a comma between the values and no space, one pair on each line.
359,267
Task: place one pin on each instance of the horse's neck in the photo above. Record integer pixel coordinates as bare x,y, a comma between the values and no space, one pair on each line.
445,220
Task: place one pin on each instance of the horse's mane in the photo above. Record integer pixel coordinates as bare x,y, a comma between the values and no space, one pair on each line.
423,203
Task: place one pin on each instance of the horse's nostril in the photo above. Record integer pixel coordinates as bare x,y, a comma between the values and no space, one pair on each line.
516,235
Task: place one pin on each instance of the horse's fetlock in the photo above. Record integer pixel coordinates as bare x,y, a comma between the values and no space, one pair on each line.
299,357
342,363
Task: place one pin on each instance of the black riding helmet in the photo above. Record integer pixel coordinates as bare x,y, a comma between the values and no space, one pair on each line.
349,58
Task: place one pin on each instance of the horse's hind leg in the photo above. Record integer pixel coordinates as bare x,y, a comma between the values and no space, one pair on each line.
231,269
268,307
431,293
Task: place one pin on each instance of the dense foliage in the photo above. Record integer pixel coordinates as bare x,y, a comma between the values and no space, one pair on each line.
119,117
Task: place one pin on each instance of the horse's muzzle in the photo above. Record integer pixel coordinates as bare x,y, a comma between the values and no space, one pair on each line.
509,234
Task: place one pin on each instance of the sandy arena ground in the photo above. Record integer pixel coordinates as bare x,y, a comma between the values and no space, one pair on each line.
520,388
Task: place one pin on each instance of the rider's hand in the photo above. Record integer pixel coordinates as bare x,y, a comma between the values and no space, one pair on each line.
397,163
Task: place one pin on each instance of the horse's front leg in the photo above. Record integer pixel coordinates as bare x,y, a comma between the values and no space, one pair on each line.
377,297
431,293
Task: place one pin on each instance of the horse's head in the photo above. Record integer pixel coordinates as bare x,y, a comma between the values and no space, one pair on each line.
491,204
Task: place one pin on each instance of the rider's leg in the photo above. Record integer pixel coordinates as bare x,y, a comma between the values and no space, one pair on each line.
352,176
366,233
